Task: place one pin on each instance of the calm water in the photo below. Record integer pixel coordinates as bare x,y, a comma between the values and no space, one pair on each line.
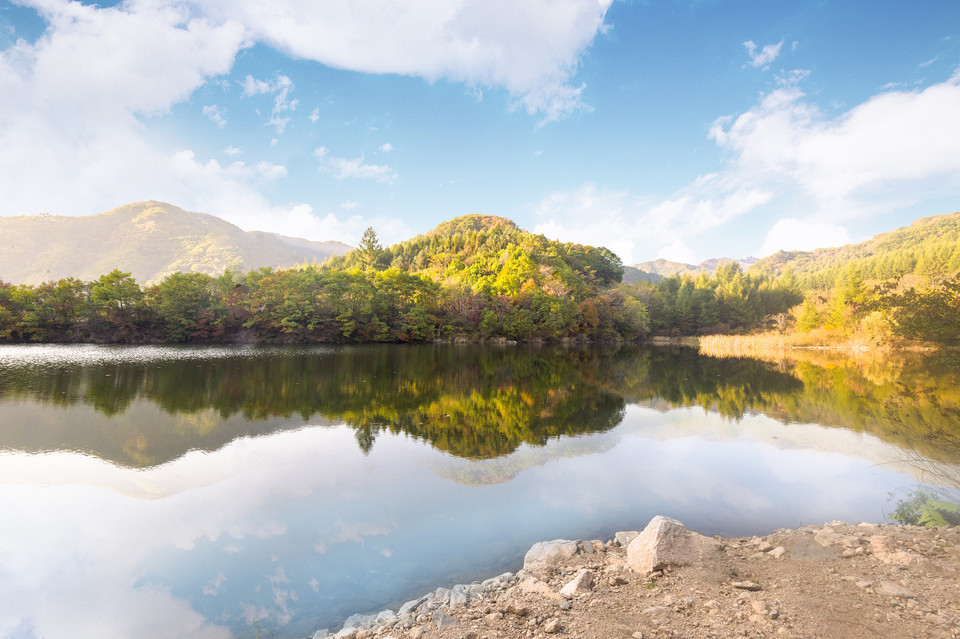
242,492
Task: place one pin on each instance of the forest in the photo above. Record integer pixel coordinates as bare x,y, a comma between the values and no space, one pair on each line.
480,278
474,278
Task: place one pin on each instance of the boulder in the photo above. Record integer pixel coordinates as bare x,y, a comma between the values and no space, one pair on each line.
667,542
543,557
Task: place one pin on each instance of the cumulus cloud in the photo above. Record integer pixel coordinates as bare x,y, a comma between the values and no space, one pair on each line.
356,168
532,49
761,59
77,101
637,227
845,162
818,173
386,148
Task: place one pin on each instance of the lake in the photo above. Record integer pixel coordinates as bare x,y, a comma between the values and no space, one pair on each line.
271,492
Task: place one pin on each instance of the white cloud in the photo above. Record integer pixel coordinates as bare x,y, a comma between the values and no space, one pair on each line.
215,114
820,172
315,115
791,234
847,165
78,100
280,87
349,205
232,151
635,228
763,57
356,168
386,148
532,49
70,139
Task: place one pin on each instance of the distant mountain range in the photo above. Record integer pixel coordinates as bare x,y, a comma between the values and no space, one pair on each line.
656,270
150,240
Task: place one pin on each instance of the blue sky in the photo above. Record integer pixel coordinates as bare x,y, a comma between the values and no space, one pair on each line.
683,129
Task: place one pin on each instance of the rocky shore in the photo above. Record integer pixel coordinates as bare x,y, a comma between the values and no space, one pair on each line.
834,580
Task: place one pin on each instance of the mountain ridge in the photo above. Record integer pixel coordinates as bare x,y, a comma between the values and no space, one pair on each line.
148,239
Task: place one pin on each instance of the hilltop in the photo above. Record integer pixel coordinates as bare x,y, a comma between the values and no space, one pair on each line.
492,255
150,240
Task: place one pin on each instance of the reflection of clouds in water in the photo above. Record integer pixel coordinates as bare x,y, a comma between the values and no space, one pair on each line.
343,532
53,551
215,586
281,596
284,495
689,463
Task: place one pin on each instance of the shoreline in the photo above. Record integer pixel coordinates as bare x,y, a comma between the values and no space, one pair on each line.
834,579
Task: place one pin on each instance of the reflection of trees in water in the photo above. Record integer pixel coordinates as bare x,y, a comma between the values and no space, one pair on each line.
472,401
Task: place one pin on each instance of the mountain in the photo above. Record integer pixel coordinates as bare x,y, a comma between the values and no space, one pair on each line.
930,247
148,239
666,268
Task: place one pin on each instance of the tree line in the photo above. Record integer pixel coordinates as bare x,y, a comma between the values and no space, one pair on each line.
472,283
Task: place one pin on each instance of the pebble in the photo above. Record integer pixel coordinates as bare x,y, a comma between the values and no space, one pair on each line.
746,585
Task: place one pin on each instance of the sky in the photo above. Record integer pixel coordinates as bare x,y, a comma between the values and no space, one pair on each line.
676,129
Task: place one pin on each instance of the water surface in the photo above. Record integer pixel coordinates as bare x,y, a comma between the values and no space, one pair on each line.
239,492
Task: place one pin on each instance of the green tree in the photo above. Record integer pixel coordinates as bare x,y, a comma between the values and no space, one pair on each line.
187,307
370,249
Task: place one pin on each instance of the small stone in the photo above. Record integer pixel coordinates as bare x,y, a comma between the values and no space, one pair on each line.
637,635
810,550
443,620
581,583
863,583
746,585
517,609
765,546
415,633
565,604
625,537
494,616
778,552
891,589
551,626
849,552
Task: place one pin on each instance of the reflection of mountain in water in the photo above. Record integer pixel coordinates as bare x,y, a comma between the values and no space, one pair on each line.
473,402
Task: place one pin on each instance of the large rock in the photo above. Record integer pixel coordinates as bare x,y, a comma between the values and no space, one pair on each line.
543,557
667,542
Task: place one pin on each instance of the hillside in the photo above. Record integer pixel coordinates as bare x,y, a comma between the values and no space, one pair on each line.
148,239
930,247
491,255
